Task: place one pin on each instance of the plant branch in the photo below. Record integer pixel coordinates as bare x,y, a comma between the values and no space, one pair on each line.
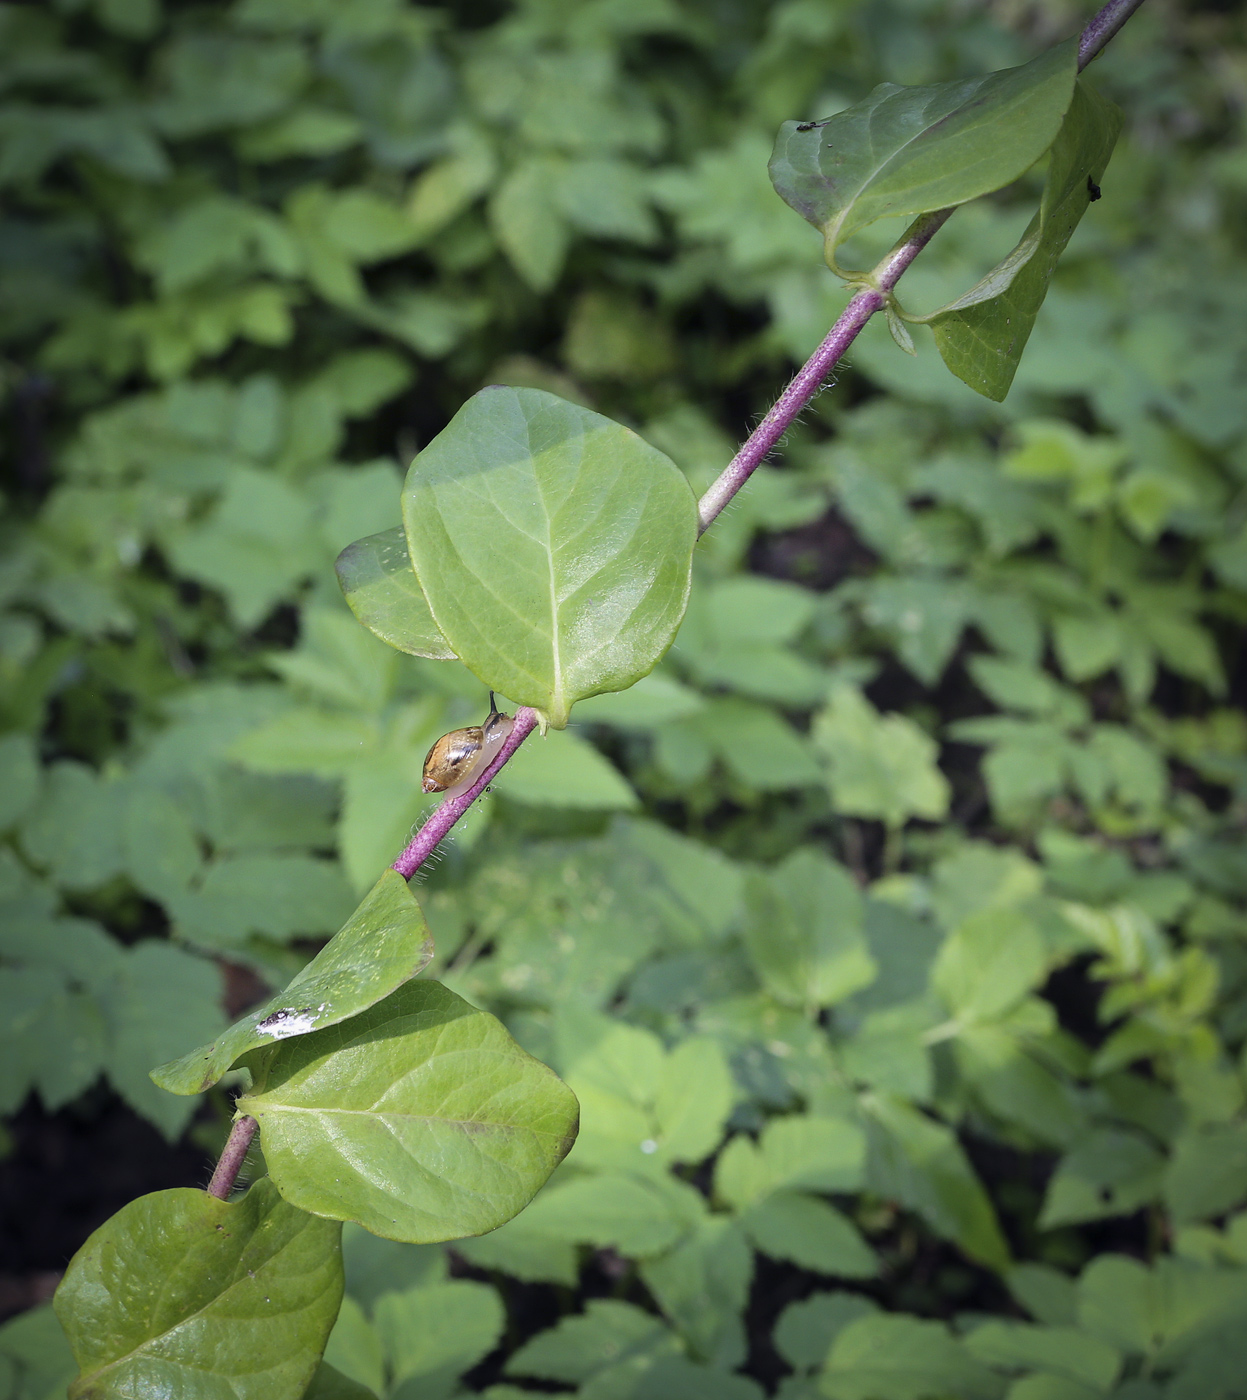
232,1158
1102,27
863,306
806,383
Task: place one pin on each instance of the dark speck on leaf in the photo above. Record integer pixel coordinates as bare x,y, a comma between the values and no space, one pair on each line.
1093,189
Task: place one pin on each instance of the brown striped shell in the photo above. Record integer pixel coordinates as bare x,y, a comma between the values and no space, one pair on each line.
458,756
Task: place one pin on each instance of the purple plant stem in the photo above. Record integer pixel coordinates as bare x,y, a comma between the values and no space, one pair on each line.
232,1158
1101,28
444,817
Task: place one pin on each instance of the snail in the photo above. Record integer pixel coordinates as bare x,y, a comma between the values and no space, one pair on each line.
459,756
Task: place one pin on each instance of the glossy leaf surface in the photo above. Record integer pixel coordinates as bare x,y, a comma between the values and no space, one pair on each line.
422,1119
553,546
911,150
382,590
982,334
384,943
180,1294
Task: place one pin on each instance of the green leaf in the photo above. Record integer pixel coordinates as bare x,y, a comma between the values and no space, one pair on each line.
382,944
438,1331
524,213
564,770
695,1096
331,1384
1065,1351
989,963
637,1215
1207,1174
1112,1172
703,1286
982,334
75,827
758,747
819,1154
890,1357
654,700
39,1362
881,766
161,852
807,1231
354,1349
254,547
422,1119
20,778
606,1334
160,998
1046,1293
806,1330
804,931
383,591
179,1291
553,546
920,1162
906,151
524,1251
276,895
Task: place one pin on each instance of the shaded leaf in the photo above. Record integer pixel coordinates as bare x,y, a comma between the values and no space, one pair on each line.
982,334
381,586
905,151
384,943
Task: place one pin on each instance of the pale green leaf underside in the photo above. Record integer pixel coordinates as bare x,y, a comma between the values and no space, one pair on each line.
911,150
421,1120
182,1294
382,590
383,944
553,545
982,334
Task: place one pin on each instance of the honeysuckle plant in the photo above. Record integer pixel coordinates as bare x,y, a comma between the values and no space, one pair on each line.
549,551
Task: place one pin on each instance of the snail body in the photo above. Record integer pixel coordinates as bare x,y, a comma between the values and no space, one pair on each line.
459,756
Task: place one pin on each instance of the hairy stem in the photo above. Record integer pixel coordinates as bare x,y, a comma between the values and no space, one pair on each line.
232,1158
444,817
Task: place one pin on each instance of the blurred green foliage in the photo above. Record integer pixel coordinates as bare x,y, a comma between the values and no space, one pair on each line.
892,933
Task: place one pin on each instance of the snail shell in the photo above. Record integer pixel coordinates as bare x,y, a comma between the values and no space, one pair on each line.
457,757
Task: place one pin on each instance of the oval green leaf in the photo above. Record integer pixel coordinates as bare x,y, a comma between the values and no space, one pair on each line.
422,1120
384,943
553,545
382,590
982,334
182,1294
911,150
